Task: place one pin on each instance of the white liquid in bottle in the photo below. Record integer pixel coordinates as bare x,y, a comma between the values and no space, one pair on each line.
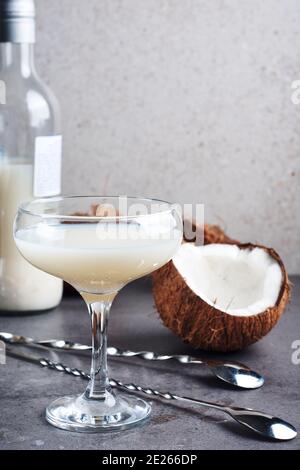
22,287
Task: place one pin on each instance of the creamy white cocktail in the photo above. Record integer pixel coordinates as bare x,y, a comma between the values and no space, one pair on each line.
98,257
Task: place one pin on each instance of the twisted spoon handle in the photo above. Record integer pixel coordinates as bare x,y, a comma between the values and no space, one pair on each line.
111,351
58,366
137,388
152,356
131,387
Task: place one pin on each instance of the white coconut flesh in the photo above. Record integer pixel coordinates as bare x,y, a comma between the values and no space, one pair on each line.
236,281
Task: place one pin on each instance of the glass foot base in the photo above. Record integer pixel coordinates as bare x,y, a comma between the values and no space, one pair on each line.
115,412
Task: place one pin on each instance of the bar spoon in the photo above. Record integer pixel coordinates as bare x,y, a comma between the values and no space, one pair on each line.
231,372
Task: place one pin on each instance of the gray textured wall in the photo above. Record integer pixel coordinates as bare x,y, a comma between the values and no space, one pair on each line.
185,100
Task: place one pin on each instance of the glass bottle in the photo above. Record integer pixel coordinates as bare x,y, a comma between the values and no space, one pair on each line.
30,155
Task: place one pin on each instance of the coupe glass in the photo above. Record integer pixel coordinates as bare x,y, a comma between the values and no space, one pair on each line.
98,245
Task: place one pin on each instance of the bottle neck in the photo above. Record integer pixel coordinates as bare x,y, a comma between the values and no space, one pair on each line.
17,57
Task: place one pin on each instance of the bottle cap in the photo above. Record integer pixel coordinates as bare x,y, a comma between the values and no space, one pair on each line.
17,21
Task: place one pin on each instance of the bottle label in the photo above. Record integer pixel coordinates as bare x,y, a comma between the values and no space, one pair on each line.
47,166
2,92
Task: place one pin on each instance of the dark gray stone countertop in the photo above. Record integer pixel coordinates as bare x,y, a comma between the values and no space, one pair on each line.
26,389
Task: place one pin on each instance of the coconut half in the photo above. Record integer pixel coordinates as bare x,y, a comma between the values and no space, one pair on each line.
221,297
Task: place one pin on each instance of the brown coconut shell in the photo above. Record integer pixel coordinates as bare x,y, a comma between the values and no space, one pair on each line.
211,233
206,327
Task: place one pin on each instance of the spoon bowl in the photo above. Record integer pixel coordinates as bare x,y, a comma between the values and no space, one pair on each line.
236,374
264,424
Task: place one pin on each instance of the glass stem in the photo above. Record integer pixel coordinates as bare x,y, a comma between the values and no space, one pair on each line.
99,308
